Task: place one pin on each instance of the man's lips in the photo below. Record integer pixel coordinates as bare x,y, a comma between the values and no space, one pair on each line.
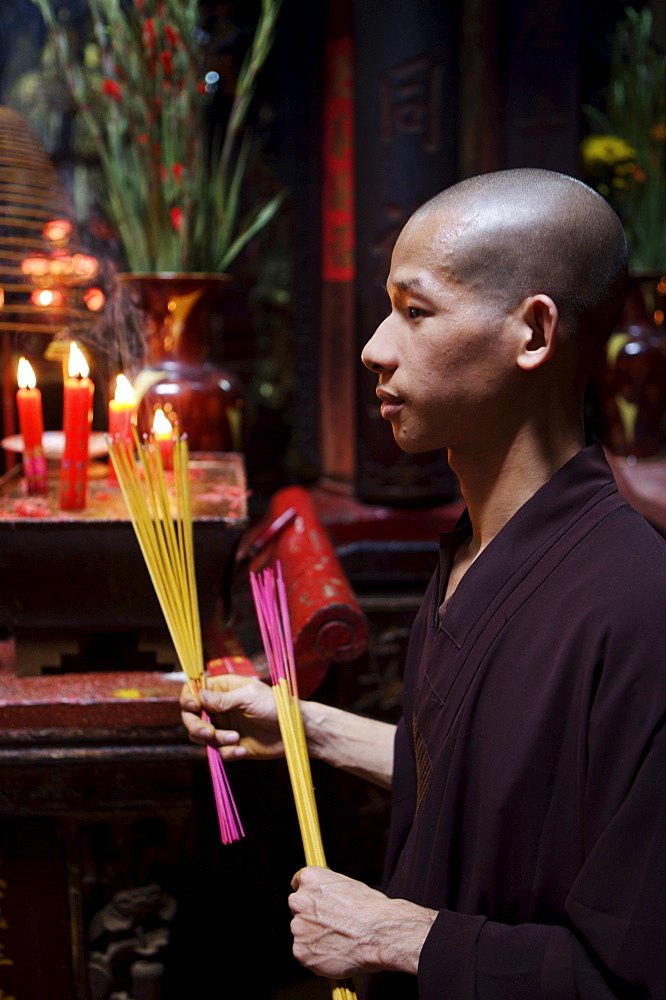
390,402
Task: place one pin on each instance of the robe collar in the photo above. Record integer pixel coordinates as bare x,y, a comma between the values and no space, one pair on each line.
558,502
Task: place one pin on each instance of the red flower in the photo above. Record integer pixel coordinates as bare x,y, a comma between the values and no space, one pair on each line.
112,89
171,35
143,138
201,87
176,214
149,33
167,62
177,171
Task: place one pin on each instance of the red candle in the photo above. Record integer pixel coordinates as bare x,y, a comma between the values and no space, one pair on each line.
121,409
77,421
31,422
163,438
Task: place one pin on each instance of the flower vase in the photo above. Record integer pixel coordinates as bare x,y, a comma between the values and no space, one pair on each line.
632,377
207,401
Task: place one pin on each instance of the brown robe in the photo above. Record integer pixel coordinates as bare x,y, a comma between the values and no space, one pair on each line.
529,798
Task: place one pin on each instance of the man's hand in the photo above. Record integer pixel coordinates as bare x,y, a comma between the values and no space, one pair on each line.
243,715
242,710
342,926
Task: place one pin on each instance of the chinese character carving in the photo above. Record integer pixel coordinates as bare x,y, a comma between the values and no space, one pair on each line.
411,101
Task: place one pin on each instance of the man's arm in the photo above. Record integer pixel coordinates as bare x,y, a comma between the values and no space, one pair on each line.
351,742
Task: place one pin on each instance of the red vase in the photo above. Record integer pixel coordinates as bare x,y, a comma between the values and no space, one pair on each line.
632,377
208,401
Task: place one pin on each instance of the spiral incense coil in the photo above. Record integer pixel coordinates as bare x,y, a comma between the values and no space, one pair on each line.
35,221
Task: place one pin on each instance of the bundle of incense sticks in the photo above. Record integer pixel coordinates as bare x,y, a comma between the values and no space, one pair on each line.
163,527
270,601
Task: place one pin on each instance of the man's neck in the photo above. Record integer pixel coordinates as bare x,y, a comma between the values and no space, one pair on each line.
496,481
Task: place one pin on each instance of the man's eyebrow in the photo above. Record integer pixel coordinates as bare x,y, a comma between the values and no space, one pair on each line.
406,286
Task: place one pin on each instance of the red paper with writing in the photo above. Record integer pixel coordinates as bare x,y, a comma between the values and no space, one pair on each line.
338,148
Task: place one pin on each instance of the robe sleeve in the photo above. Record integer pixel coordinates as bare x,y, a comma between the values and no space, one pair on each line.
612,942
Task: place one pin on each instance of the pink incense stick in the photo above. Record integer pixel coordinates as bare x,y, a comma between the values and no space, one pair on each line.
231,828
286,630
270,598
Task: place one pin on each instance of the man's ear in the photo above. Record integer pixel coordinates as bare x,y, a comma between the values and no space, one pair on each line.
539,323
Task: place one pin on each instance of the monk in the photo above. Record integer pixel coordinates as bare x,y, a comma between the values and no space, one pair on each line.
527,848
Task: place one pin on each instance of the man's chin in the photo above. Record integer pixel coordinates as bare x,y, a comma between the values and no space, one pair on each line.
411,447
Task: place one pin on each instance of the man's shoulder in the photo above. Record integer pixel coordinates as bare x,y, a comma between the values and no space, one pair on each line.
619,571
626,536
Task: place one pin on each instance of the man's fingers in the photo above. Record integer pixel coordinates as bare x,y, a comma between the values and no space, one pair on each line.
315,875
198,730
296,880
188,700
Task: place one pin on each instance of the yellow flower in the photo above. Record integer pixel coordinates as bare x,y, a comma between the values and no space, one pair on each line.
91,60
628,167
605,150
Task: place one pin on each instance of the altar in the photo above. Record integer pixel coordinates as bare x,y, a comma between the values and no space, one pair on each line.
108,815
74,590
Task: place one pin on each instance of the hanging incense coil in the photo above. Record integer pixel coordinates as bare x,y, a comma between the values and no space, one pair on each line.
33,204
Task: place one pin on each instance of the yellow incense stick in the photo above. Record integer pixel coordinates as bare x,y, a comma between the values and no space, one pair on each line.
164,532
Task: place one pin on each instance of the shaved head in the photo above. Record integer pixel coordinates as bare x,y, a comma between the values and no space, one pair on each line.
517,233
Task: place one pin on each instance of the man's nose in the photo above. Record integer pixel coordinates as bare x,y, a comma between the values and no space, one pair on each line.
374,366
377,354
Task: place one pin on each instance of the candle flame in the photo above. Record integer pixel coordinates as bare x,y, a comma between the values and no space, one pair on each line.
57,229
26,376
77,364
37,266
94,298
124,391
161,424
85,266
46,297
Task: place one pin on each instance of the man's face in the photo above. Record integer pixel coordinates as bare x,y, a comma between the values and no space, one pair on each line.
442,356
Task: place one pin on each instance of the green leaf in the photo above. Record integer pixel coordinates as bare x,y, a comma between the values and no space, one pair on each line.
250,229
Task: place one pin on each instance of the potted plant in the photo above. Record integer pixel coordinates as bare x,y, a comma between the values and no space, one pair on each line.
171,192
625,160
171,186
625,157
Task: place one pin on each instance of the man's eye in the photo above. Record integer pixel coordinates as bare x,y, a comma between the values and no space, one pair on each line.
414,313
